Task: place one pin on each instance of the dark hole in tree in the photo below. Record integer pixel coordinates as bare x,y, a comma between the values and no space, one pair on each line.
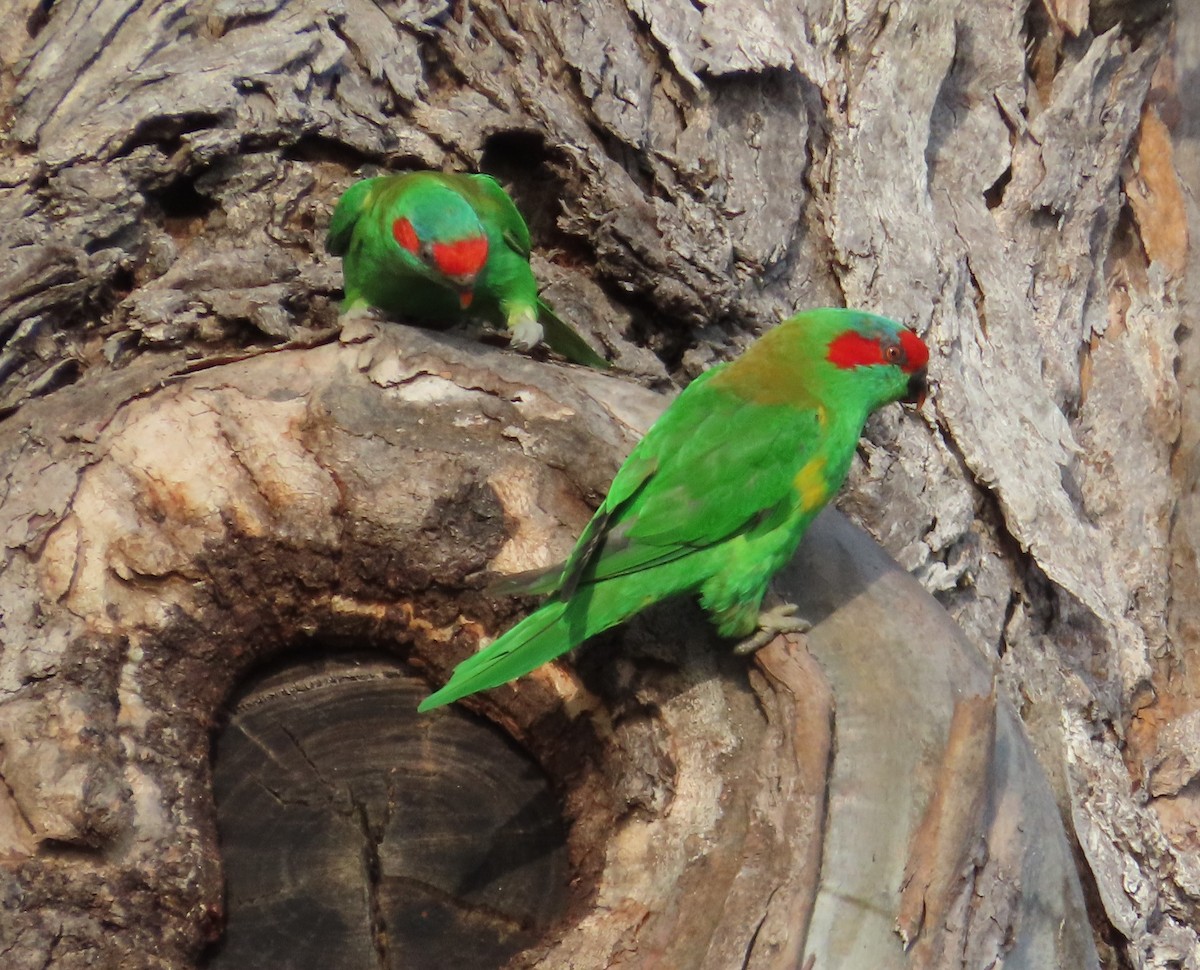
356,833
166,131
532,172
38,17
183,209
1136,17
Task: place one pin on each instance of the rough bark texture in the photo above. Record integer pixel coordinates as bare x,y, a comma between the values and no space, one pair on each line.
999,174
255,508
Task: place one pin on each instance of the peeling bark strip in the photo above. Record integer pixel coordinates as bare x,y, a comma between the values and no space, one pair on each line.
951,831
899,674
690,172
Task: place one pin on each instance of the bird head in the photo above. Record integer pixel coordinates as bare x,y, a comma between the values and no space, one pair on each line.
845,360
443,236
886,358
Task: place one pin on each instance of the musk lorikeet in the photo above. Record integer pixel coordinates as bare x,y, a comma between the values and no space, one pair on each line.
441,246
715,499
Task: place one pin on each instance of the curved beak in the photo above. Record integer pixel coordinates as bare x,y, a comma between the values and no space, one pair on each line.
465,297
918,386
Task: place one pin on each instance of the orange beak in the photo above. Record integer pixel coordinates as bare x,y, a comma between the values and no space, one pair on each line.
465,298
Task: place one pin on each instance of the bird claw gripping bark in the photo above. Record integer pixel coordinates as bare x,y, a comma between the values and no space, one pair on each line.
525,333
358,323
359,311
771,623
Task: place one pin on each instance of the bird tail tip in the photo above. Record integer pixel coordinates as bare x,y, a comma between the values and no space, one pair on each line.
429,703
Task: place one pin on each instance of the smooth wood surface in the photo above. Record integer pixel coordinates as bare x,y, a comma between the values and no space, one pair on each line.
357,834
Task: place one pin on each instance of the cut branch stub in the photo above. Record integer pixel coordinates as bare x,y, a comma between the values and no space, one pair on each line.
357,833
356,497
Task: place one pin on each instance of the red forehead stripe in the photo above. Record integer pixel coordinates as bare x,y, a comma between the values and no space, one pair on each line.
462,258
852,349
406,235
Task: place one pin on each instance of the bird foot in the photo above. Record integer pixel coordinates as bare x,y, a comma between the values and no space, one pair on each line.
771,623
524,334
358,323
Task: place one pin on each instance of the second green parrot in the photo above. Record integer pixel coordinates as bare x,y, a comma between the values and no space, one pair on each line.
715,499
441,246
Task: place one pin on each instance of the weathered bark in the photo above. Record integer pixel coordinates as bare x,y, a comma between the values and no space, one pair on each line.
254,508
997,174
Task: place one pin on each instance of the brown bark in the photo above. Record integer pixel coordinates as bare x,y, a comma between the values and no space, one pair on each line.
253,508
997,174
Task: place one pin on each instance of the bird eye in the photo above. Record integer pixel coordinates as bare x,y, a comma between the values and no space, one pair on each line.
892,354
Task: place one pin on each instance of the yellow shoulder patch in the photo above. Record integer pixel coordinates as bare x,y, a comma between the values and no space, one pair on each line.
811,485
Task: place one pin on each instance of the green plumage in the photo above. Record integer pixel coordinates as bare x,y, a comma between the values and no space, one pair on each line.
432,278
715,499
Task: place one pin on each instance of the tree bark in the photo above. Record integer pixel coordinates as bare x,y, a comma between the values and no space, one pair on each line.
251,509
999,176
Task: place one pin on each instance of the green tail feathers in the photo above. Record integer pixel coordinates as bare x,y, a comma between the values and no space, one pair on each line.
543,635
538,638
562,337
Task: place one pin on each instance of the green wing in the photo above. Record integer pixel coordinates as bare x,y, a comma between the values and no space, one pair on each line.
354,201
712,467
733,472
496,209
495,206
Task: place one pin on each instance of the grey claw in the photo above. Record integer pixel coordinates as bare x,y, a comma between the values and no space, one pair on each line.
525,334
771,623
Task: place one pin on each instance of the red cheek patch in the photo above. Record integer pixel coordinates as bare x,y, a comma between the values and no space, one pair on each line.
406,235
462,258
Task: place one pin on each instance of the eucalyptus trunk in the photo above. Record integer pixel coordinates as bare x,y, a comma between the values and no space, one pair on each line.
241,542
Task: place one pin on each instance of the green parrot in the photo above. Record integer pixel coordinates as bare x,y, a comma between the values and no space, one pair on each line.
440,246
715,499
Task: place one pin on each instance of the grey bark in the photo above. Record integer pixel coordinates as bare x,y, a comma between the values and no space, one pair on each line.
998,175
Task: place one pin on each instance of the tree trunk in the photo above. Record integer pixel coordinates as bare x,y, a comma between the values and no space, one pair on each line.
227,524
